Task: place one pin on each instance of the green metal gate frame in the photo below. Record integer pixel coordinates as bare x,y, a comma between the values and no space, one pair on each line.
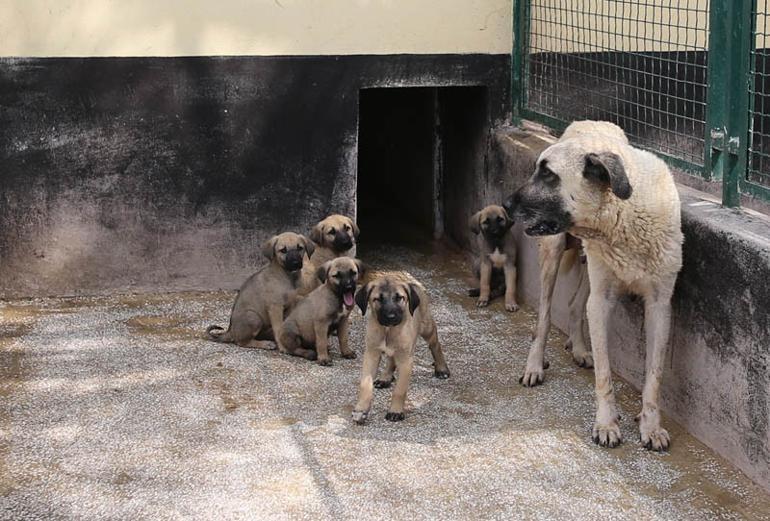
730,78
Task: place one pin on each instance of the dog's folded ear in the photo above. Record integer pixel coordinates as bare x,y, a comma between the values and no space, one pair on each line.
317,234
509,222
356,230
322,272
414,298
362,298
607,169
268,247
361,268
309,246
475,223
509,205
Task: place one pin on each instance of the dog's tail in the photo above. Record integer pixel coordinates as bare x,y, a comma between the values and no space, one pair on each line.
219,334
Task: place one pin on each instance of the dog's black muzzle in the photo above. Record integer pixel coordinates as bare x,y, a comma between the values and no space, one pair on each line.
390,315
293,261
342,242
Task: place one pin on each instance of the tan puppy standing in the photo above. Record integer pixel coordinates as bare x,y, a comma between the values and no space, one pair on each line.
326,309
259,308
495,266
400,312
623,204
335,236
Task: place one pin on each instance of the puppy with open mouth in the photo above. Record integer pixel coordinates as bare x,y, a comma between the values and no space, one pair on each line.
400,312
325,310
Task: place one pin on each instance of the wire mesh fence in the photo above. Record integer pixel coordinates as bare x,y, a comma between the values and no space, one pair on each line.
758,166
642,65
687,79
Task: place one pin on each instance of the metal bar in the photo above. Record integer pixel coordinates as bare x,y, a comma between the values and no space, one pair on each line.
520,50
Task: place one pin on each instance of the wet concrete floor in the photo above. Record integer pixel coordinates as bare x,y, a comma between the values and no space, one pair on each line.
117,408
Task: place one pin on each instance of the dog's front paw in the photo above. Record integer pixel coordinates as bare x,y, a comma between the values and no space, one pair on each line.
442,375
607,435
482,302
359,417
533,375
652,435
511,306
394,416
383,384
581,355
326,362
349,355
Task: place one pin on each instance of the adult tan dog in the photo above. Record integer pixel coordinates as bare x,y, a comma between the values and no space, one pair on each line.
623,204
326,309
495,266
400,312
263,299
335,236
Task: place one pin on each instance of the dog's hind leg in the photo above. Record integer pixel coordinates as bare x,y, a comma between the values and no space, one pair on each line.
386,378
577,309
657,321
430,335
551,249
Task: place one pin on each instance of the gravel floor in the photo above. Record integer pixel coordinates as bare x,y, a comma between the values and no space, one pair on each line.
117,408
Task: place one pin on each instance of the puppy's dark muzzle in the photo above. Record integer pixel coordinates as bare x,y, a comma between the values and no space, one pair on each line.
390,318
293,261
342,243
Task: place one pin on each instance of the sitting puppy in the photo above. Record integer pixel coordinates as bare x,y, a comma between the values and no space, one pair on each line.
495,268
307,328
333,237
259,308
400,312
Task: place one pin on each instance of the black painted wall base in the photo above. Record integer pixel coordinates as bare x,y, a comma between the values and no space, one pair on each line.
167,173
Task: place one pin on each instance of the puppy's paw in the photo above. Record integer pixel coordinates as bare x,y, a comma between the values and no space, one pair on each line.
482,302
512,306
394,416
383,384
349,355
359,417
326,362
533,375
607,434
441,375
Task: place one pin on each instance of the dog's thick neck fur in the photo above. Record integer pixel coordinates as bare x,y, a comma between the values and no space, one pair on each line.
632,237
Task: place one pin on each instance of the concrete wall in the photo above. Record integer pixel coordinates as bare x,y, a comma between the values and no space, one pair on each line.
717,373
255,27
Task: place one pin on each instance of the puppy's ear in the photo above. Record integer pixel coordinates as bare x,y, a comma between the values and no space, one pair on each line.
361,268
607,169
323,272
317,234
268,248
356,231
508,219
509,205
414,298
309,246
475,222
362,298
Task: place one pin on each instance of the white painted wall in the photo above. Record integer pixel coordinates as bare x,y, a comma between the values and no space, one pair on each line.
252,27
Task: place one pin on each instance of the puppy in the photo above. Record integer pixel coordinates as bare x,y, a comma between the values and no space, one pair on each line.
307,328
335,236
622,203
259,308
400,313
495,267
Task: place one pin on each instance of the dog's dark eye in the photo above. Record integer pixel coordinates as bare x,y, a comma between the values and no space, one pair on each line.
398,298
353,273
332,231
486,221
377,299
283,250
300,248
347,228
337,275
500,219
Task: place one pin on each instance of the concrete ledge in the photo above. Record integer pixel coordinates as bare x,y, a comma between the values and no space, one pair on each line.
717,379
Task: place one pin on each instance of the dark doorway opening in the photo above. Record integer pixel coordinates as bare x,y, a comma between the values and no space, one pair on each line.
421,161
